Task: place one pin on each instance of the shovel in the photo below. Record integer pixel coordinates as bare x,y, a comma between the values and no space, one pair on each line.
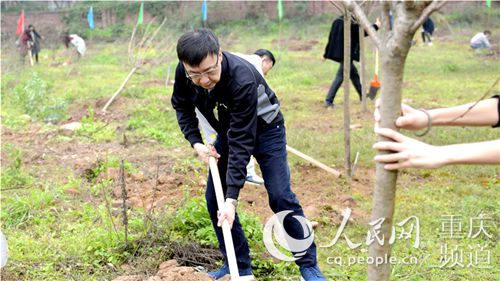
375,84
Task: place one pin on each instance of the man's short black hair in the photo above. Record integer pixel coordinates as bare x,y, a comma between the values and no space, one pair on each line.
267,53
194,46
487,32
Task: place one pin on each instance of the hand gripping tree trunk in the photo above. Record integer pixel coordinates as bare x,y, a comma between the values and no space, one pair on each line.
394,48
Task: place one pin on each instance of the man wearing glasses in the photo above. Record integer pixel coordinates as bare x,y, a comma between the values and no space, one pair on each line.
263,60
248,122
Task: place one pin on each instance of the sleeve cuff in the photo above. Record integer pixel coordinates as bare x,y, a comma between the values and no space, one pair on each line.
232,192
498,106
195,139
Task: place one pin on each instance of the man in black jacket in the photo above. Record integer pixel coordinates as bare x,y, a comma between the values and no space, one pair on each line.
334,50
248,122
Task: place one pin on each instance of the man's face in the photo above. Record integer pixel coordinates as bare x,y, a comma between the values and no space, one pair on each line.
267,64
207,74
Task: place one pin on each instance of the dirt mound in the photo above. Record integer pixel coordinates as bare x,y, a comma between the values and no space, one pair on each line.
144,191
170,271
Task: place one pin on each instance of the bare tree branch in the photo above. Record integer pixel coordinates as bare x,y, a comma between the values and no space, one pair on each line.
341,11
431,8
363,21
367,6
131,58
386,21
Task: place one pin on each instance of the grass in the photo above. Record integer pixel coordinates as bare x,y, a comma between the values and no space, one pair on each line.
54,235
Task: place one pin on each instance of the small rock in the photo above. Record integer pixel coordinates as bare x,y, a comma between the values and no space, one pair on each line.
126,267
71,191
129,278
138,176
167,178
168,264
70,128
311,211
348,201
355,126
116,203
183,270
202,182
25,117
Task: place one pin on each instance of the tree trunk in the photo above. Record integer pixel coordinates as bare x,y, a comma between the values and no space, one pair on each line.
346,84
395,48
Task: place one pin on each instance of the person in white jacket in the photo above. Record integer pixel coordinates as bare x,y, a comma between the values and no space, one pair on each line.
77,42
263,60
480,40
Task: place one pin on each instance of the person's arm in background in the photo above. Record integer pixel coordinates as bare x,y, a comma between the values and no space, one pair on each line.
409,152
38,35
484,113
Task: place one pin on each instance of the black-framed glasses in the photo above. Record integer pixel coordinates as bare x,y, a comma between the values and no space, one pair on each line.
211,71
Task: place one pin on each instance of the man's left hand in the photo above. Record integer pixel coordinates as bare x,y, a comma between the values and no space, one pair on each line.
227,212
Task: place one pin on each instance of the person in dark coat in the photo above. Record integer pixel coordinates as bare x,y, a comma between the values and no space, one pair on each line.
245,112
34,42
334,50
427,30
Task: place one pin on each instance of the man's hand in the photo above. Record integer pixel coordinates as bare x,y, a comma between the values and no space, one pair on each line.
205,151
411,119
408,152
227,212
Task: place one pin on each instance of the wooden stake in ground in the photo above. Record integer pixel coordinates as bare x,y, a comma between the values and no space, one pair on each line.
346,84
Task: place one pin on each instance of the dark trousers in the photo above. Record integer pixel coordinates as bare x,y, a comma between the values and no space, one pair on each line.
426,35
339,78
270,153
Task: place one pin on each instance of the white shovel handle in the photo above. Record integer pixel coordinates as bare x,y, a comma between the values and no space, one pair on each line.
226,229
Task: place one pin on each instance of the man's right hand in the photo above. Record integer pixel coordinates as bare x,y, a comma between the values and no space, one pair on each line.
205,151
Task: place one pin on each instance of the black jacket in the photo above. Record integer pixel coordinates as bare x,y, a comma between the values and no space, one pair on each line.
428,26
245,104
334,49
